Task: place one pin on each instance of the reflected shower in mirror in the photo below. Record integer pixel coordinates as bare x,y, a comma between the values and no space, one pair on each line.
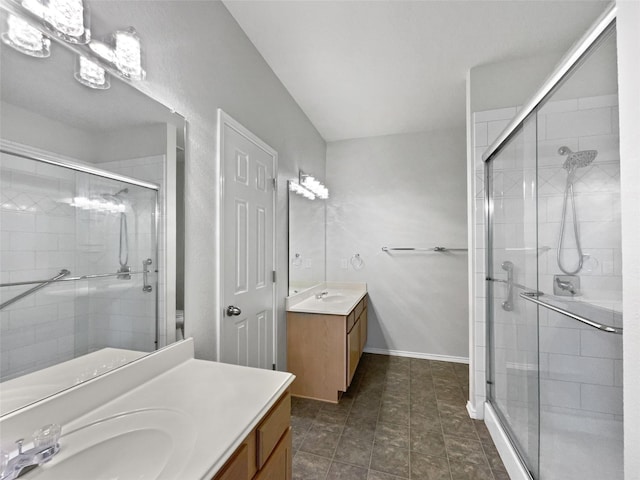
88,186
306,241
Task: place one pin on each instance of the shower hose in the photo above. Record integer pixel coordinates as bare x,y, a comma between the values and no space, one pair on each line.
123,256
568,191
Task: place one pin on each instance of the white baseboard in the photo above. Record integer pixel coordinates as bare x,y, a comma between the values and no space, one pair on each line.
509,456
426,356
473,413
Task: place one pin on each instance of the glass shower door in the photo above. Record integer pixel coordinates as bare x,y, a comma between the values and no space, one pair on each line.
512,270
116,234
579,226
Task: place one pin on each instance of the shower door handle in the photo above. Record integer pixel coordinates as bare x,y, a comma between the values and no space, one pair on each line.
145,275
507,305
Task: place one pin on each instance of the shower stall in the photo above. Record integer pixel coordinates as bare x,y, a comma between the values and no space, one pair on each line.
79,260
554,272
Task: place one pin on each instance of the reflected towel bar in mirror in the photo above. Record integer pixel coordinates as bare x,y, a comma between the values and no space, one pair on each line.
63,273
58,279
432,249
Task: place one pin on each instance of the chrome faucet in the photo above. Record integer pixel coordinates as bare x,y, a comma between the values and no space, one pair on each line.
322,294
45,446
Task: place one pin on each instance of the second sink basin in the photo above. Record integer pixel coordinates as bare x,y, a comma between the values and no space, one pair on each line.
143,444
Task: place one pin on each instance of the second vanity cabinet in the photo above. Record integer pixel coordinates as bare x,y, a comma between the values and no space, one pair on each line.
266,453
323,351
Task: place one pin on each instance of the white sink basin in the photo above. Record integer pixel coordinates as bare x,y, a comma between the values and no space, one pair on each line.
332,298
144,444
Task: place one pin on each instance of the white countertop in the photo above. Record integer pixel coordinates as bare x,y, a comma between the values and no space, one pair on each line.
218,404
341,298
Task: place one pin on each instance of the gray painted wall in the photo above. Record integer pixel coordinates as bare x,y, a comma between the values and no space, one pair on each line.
198,60
403,190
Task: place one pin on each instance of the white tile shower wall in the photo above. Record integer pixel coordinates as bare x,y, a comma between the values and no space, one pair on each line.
566,348
37,227
125,316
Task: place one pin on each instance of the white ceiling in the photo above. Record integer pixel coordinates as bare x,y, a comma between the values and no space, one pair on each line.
368,68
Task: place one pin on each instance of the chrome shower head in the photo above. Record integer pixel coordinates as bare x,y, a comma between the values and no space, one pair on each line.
579,159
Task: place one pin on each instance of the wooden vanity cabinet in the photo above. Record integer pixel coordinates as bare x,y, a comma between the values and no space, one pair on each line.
266,453
323,351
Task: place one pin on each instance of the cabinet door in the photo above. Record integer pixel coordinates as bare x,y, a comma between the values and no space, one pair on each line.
353,351
363,329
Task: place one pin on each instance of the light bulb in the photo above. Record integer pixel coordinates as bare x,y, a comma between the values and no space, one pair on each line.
26,39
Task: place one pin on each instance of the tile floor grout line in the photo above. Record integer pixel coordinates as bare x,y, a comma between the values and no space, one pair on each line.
446,450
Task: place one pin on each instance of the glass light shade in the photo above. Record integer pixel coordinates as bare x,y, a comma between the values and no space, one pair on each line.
66,16
25,38
128,54
90,74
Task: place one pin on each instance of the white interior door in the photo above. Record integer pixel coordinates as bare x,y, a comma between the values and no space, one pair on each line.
247,254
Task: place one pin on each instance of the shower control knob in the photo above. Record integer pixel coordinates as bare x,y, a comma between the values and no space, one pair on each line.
233,311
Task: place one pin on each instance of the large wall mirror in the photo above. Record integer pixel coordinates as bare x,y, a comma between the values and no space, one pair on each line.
306,242
90,186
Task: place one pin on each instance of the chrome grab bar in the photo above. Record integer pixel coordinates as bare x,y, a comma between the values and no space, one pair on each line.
63,273
70,279
145,275
531,296
433,249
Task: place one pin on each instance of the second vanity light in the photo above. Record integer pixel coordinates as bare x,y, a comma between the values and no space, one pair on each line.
308,187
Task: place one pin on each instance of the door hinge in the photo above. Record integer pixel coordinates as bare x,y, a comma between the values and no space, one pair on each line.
274,181
273,276
273,367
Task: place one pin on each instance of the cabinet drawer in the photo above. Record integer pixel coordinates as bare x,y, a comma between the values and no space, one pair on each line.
279,465
272,427
351,320
237,466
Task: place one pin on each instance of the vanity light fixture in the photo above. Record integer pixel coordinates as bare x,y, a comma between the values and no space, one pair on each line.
29,22
25,38
311,183
90,74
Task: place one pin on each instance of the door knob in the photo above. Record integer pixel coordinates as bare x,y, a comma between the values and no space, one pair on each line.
233,311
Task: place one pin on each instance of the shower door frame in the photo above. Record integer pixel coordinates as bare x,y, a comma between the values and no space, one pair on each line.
568,64
29,153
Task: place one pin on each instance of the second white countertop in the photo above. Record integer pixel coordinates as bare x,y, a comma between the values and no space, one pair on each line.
340,299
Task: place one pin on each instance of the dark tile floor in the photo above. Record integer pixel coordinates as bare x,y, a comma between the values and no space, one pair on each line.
401,419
